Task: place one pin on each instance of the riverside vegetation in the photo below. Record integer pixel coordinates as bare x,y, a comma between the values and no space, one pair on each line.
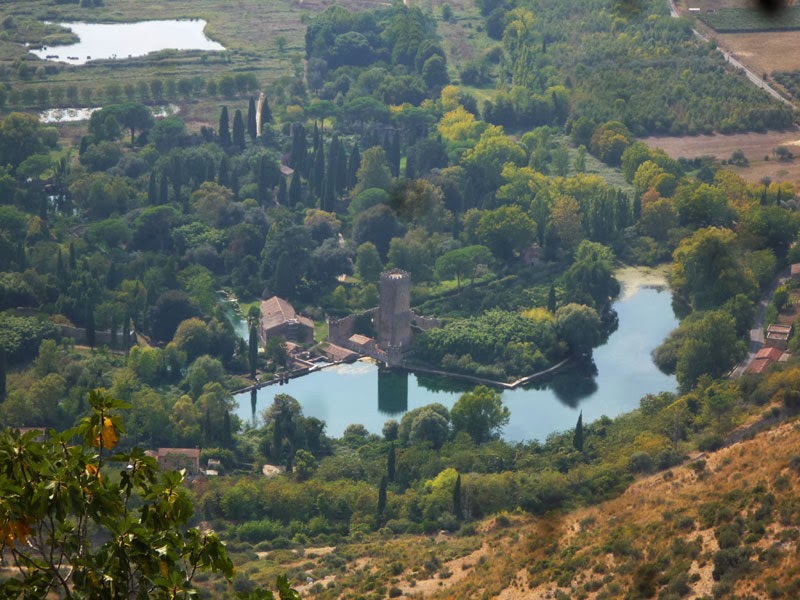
474,177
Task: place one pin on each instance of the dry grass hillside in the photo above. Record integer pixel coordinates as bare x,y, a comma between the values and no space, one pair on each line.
724,525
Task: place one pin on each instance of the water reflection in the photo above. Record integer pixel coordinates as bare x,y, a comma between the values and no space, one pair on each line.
392,391
576,384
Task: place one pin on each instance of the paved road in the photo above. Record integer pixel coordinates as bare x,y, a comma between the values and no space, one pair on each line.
755,79
757,332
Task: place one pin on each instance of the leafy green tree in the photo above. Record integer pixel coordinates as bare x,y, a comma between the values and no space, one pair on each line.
283,424
121,536
463,262
505,230
579,326
709,346
430,426
21,136
134,117
193,337
170,310
373,171
368,262
480,413
590,279
708,269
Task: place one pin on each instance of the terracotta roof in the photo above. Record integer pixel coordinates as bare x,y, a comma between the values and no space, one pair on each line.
191,452
795,269
337,353
359,339
276,311
759,366
769,354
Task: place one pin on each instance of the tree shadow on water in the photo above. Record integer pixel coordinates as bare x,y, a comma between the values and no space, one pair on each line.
576,384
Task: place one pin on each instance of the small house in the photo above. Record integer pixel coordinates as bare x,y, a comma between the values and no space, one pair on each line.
778,336
279,319
178,458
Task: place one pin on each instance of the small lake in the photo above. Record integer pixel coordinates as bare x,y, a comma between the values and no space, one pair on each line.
71,115
363,393
127,40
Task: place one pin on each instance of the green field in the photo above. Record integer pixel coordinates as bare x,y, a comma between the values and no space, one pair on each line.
735,20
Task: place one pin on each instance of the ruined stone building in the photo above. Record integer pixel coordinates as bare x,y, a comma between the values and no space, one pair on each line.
393,321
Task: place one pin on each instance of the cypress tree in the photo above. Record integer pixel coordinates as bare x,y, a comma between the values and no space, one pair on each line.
176,176
253,401
238,130
316,138
266,114
297,154
90,330
577,439
318,173
152,189
295,191
282,191
60,271
381,500
253,351
207,428
393,154
223,177
352,167
163,190
329,188
341,168
251,118
2,373
263,183
390,464
235,183
73,260
457,499
126,334
224,131
551,300
22,260
113,332
226,429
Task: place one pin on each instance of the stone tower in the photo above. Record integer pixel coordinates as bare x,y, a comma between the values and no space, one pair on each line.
394,312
